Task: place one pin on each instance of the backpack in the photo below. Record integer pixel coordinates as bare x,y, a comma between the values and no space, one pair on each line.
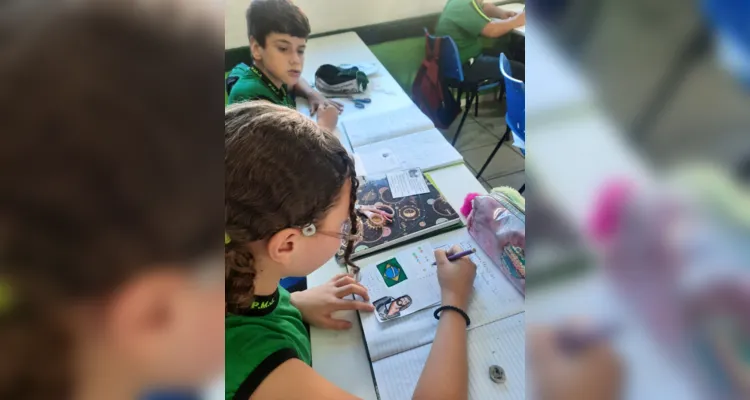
429,93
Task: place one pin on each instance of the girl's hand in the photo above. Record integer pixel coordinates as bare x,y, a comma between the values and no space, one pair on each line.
456,278
318,101
592,373
318,303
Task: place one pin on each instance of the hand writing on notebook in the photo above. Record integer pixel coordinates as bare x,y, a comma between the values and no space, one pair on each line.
594,372
456,278
318,303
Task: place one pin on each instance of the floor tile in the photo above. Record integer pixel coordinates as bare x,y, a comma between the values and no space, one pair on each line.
472,136
515,180
506,161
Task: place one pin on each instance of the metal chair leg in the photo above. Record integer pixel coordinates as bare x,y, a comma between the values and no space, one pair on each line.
470,96
476,105
489,159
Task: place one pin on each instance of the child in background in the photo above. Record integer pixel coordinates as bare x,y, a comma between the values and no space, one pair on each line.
290,192
110,201
278,31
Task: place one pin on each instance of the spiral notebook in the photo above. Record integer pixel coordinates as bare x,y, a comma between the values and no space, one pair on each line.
398,348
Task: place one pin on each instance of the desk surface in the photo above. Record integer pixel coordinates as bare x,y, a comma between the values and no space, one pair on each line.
517,7
348,48
340,356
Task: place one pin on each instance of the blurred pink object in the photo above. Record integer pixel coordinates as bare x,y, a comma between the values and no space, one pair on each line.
608,212
499,228
466,208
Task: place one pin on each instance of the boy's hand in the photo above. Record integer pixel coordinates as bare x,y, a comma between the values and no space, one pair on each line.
318,303
593,373
318,101
328,117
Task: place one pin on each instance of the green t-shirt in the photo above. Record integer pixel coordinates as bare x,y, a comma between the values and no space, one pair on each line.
250,83
463,21
257,342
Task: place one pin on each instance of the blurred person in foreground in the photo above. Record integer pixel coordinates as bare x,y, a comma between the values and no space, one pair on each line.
591,373
110,200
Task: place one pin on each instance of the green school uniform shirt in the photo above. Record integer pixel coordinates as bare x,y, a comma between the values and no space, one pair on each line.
256,343
253,84
463,21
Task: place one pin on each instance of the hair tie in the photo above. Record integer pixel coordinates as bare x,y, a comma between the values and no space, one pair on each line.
227,239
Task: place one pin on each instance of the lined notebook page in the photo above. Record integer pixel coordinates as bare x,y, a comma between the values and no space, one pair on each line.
494,298
500,343
386,125
427,150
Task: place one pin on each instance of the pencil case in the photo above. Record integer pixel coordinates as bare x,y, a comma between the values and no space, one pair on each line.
497,223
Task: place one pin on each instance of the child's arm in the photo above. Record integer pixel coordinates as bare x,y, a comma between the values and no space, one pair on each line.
447,359
494,11
446,373
500,27
308,384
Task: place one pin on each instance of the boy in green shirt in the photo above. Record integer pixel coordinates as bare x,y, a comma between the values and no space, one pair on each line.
471,23
278,31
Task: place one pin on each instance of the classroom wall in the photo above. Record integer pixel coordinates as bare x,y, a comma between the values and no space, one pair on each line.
332,15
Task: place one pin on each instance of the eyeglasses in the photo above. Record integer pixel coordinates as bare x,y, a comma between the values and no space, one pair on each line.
344,234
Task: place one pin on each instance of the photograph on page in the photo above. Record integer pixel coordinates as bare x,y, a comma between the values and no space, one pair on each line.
404,284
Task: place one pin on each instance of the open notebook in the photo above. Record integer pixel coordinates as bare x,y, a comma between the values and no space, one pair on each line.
383,126
427,150
398,348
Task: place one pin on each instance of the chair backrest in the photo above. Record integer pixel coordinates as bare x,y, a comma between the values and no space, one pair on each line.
515,96
450,61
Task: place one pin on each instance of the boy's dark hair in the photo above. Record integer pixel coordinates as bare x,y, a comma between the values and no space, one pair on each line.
282,171
108,168
281,16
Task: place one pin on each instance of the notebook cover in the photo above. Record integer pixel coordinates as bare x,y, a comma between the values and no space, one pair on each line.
414,216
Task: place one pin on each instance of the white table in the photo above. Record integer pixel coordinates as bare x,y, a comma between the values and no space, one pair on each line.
348,48
340,356
516,7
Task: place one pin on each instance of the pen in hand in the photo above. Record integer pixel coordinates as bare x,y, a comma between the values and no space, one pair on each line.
454,257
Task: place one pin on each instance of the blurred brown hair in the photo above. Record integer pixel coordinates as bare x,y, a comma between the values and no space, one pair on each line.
282,171
111,161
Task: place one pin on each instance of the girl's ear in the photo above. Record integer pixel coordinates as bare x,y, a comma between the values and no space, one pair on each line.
255,49
281,245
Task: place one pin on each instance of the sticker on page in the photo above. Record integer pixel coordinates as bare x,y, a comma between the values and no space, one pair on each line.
403,284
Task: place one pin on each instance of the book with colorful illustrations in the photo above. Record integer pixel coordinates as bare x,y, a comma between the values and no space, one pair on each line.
409,218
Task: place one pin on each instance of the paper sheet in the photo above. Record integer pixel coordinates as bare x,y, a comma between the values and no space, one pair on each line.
407,183
404,284
382,126
427,150
500,343
494,298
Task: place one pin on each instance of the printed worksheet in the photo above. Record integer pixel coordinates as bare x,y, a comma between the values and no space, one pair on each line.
401,285
407,183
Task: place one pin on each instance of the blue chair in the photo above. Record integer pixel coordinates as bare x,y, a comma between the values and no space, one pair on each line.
452,75
515,116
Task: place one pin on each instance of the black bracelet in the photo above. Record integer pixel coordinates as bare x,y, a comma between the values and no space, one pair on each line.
456,309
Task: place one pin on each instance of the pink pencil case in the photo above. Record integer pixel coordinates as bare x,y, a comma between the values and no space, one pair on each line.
498,225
